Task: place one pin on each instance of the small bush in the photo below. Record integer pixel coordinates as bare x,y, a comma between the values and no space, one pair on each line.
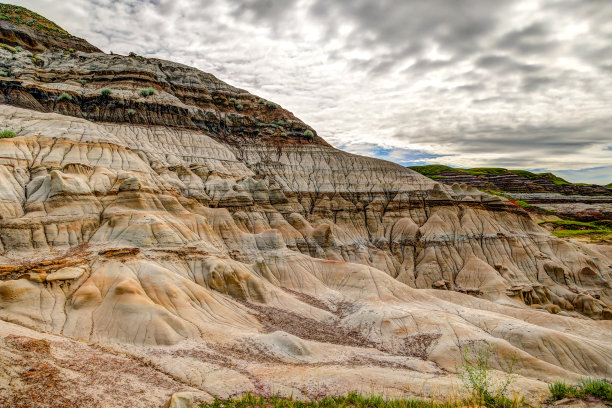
260,101
308,134
147,92
8,48
7,134
82,81
280,123
105,92
3,74
271,105
239,107
232,100
131,112
64,96
18,49
561,390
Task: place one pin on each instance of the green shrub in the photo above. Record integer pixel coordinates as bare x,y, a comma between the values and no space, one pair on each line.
308,134
271,105
239,107
147,92
18,49
131,112
7,134
260,101
280,123
475,373
232,100
64,96
105,92
82,81
8,48
3,74
561,390
597,388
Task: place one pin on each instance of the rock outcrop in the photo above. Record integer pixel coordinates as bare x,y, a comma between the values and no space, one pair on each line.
219,239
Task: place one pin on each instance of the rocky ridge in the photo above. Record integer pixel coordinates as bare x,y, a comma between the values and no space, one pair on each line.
581,202
174,229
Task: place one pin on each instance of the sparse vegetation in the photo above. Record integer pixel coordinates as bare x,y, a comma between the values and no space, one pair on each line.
82,81
147,91
271,105
7,134
232,100
3,74
22,16
131,112
261,101
475,372
105,92
596,230
280,123
589,387
352,400
18,49
64,97
435,170
239,107
308,134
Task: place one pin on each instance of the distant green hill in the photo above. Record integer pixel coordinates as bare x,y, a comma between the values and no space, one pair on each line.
435,170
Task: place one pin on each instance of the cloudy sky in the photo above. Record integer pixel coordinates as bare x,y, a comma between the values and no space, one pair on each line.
469,83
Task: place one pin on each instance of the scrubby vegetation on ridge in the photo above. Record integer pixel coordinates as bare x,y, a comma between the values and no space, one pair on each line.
598,230
22,16
435,170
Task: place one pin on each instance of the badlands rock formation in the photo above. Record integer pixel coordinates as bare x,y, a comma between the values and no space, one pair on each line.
216,240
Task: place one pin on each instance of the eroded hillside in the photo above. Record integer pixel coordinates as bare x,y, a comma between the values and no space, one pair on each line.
197,229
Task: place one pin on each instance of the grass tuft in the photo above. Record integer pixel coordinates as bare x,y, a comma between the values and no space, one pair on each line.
147,92
7,134
105,92
64,96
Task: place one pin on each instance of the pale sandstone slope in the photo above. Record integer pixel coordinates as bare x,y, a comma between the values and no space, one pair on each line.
236,257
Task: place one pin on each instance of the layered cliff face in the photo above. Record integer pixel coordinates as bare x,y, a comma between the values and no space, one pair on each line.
218,238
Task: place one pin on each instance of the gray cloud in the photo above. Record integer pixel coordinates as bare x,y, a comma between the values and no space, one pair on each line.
520,83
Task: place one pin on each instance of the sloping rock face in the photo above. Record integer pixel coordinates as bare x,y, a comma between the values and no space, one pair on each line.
232,255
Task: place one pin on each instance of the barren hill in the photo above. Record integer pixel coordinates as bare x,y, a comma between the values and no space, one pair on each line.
161,226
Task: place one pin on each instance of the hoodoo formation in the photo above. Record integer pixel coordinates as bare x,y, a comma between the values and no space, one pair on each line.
163,231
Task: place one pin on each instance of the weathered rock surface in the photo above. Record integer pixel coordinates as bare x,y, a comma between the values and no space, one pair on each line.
234,260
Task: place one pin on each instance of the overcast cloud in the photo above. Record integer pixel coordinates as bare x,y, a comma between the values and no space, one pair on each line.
471,83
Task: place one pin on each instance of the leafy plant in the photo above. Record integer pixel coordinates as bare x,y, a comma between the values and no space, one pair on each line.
64,96
7,134
147,92
475,373
308,134
105,92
